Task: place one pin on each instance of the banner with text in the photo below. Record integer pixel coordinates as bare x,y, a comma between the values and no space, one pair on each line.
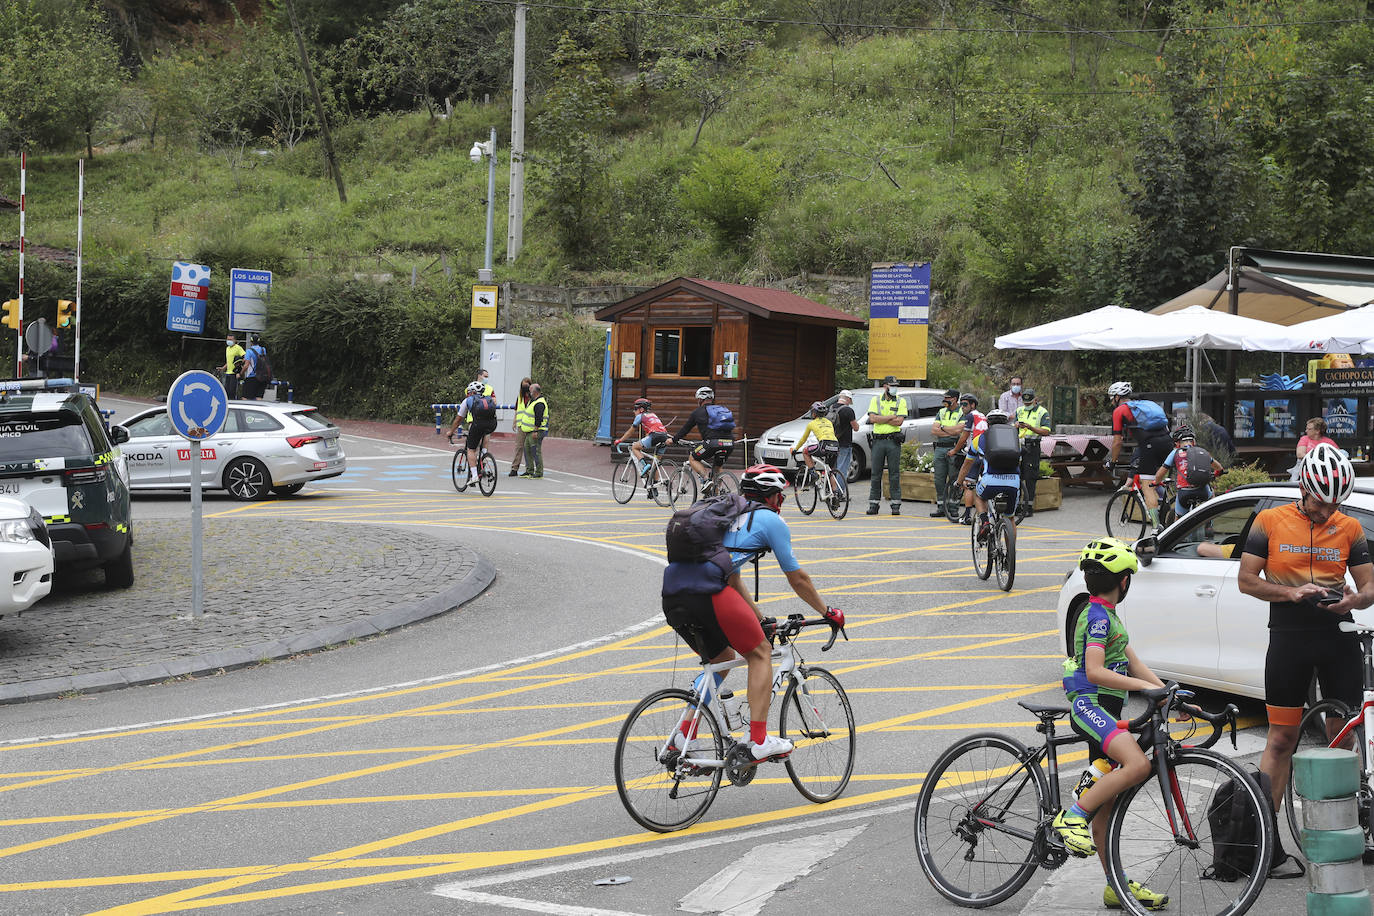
898,320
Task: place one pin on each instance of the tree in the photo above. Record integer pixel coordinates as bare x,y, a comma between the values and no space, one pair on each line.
730,188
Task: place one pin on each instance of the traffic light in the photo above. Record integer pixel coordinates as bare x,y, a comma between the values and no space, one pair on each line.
11,319
66,311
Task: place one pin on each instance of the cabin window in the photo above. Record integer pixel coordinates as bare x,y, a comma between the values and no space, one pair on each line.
683,352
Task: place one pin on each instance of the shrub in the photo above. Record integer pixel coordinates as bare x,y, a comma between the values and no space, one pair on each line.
730,188
1240,474
915,458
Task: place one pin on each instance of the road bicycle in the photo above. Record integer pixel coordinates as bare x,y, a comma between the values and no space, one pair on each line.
486,467
1329,723
686,483
821,484
1126,515
954,494
658,476
984,813
994,542
667,788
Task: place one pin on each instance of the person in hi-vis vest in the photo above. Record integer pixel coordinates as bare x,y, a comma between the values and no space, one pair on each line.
524,425
886,412
1032,421
945,432
534,441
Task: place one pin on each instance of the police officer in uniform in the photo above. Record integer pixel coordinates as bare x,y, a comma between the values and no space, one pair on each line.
534,442
886,412
1032,421
949,423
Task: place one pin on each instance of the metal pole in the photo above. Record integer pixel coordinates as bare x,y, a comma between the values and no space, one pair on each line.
491,200
23,200
515,234
80,211
197,587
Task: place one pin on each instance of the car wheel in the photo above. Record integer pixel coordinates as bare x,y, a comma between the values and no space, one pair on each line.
246,479
119,572
857,465
288,489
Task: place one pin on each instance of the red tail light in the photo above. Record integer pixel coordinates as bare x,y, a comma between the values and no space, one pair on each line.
79,476
298,441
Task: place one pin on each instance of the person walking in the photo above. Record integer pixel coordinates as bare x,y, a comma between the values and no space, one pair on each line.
257,370
534,441
886,412
945,431
846,423
233,355
1305,549
1032,422
1010,399
524,425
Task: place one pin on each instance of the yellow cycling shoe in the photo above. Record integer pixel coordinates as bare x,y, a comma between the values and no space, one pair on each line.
1148,898
1074,833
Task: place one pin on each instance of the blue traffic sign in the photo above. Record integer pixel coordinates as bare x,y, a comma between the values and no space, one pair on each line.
249,291
197,405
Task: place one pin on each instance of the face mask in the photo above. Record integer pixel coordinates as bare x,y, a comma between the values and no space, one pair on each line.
229,343
1015,389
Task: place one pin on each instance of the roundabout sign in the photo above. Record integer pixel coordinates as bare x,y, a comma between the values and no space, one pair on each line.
197,405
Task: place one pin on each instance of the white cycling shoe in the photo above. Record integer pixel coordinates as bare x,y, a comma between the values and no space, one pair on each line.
772,746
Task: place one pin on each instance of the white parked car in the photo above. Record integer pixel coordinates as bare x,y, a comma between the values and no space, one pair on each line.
264,446
922,403
25,556
1186,615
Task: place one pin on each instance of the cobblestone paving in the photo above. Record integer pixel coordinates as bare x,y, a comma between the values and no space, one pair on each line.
270,588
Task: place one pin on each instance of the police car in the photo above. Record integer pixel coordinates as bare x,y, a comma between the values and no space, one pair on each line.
56,456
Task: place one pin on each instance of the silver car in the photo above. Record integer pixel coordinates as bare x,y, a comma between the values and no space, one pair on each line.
776,444
264,446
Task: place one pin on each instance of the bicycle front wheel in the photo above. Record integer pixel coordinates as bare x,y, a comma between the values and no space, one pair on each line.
982,550
1313,733
725,482
684,486
954,499
838,500
977,818
1170,848
1004,549
460,470
662,483
486,474
624,478
1126,517
816,707
661,787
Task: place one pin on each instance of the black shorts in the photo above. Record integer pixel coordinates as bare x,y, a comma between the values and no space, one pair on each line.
1112,706
1150,453
1293,657
478,431
714,452
709,624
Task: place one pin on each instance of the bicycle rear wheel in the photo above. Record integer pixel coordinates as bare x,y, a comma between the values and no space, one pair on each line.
954,498
684,485
1126,518
1004,551
838,500
977,817
662,483
460,470
486,474
659,786
806,491
1312,733
624,478
982,551
816,706
725,482
1142,846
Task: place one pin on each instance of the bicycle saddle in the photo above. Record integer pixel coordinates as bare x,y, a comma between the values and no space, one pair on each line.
1044,712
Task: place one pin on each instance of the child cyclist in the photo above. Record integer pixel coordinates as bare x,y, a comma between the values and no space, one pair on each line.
1186,493
1103,668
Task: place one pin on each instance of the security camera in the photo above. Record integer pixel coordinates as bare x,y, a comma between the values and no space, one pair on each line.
475,154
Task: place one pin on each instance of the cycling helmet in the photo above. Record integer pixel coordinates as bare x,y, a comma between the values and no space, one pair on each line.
762,481
817,408
1119,389
997,415
643,404
970,397
1184,431
1326,474
1112,554
475,388
703,393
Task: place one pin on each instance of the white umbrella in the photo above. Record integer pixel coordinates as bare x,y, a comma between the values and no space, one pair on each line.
1055,335
1343,332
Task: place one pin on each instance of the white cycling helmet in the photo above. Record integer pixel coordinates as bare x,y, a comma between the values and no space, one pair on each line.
475,388
1327,474
703,393
1119,389
762,481
997,415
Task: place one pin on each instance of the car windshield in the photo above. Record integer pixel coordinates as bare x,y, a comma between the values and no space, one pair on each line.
311,419
60,435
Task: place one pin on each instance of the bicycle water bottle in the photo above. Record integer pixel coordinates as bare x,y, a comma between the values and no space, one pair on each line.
1095,771
736,711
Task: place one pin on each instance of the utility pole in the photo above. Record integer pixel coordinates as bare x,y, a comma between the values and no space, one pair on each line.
515,235
330,160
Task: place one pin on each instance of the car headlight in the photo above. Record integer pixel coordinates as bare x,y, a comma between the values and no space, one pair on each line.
17,531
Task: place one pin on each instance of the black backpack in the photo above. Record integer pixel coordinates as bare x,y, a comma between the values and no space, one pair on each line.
1197,466
696,534
1235,831
263,367
1002,448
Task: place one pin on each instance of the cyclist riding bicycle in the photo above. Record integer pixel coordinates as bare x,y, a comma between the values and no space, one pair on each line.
651,429
975,424
1097,676
710,608
1148,428
480,408
1193,468
993,466
827,444
716,424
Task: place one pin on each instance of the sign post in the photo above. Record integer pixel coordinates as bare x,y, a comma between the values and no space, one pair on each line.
898,320
197,407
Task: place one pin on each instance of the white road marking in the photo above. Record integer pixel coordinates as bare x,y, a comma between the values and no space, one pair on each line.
534,906
745,885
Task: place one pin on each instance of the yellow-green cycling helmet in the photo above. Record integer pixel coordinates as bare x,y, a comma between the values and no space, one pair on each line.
1112,554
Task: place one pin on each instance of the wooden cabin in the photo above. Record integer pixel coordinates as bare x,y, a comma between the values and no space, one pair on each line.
767,353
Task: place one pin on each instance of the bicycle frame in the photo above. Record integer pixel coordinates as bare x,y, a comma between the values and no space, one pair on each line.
1365,716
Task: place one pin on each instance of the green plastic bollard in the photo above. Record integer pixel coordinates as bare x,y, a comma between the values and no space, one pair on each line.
1356,904
1326,772
1333,845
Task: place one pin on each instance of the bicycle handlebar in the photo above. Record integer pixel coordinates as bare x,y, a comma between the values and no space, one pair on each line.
795,623
1173,698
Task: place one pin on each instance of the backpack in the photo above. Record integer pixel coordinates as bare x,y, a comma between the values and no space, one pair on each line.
1194,468
720,419
263,368
1001,449
483,408
1149,416
697,534
1235,831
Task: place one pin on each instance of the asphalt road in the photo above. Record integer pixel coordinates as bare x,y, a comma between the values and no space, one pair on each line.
463,765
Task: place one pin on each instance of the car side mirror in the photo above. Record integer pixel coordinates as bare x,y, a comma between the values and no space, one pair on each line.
118,435
1146,549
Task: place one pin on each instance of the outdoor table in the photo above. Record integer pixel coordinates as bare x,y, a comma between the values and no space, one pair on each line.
1079,460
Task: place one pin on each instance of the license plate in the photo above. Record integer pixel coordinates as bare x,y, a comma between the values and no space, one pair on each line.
11,489
772,454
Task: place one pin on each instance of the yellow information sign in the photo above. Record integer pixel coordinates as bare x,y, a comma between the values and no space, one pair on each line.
484,307
898,316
